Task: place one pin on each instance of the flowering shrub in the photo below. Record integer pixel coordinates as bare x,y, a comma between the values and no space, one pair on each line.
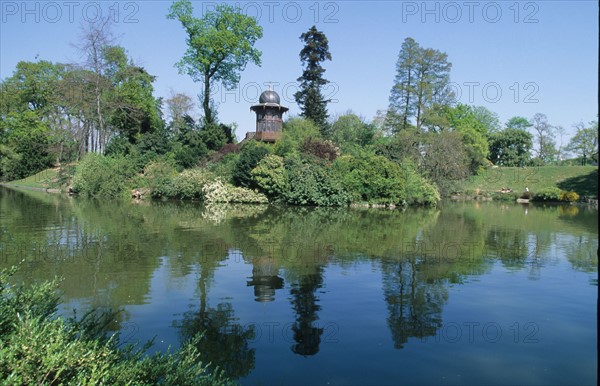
189,183
568,196
218,191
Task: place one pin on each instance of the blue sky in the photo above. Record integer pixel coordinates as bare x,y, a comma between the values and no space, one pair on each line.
513,57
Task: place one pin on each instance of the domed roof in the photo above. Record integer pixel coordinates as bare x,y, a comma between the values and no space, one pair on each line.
269,96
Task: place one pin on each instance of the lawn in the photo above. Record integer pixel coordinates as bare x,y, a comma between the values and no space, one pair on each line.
581,179
43,180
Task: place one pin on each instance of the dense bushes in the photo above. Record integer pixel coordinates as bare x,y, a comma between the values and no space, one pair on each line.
251,153
99,176
24,149
313,184
555,195
371,179
378,180
217,191
270,175
36,347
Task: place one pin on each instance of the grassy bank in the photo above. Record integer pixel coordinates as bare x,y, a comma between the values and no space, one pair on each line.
581,179
53,179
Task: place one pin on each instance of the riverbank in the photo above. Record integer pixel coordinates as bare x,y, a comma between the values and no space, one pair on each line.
497,184
503,181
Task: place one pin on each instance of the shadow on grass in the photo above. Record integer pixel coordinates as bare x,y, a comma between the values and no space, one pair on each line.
586,184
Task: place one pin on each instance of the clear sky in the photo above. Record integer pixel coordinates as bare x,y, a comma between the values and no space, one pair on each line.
513,57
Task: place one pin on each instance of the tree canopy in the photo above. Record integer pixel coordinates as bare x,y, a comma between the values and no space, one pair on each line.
220,45
310,97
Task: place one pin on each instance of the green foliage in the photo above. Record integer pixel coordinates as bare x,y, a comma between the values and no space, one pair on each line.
159,178
217,191
25,151
520,123
189,183
376,179
270,175
463,119
416,189
422,77
36,347
309,97
252,152
215,136
137,111
224,167
511,147
220,45
373,179
101,176
349,131
547,194
296,131
585,142
313,184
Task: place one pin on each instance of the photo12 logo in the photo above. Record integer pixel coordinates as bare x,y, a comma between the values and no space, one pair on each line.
453,12
493,92
69,11
286,11
250,92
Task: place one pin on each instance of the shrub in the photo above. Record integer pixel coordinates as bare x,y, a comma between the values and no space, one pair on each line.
547,194
312,184
216,191
417,190
224,168
270,175
326,150
37,347
252,152
159,178
371,178
189,183
568,196
295,132
100,176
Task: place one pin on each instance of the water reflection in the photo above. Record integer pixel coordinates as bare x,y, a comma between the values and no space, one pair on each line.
414,305
304,300
110,253
224,342
265,279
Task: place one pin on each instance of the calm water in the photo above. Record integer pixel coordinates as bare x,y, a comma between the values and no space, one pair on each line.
468,293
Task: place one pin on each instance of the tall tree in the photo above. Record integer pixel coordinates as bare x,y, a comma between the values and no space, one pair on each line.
134,110
544,133
511,147
404,89
585,142
433,76
420,90
310,98
179,105
220,45
96,37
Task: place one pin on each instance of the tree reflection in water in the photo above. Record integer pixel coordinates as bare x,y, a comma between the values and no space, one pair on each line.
224,342
304,300
414,306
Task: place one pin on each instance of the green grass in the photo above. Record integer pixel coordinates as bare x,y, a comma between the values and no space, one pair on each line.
581,179
46,179
42,180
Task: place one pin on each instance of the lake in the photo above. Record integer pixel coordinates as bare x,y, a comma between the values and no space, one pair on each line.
469,293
